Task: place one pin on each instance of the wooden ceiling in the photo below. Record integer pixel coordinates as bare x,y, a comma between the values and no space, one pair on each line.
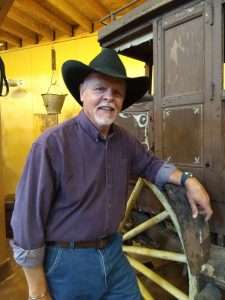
29,22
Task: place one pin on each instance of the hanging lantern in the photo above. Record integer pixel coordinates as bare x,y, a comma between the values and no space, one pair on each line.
53,100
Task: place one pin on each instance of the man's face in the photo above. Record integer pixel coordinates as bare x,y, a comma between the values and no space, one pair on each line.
102,98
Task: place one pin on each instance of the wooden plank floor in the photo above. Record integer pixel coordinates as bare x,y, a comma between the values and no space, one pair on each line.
14,287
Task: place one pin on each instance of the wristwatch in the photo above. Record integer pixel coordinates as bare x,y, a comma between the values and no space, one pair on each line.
39,297
184,177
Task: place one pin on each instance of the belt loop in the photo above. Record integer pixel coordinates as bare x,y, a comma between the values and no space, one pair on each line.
72,244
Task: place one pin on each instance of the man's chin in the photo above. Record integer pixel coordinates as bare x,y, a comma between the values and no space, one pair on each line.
104,122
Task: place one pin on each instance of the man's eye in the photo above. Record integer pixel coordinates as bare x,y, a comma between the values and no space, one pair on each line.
100,88
118,93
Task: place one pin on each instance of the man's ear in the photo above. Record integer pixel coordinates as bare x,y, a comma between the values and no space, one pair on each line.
81,88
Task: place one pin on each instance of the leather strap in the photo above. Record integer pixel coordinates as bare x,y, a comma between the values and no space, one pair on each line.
3,79
98,244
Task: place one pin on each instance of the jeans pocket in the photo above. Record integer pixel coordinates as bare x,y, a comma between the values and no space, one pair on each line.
52,259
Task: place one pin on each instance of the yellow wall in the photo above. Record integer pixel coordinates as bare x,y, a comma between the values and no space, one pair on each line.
23,110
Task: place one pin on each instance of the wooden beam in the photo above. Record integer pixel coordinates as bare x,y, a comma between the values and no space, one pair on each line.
98,8
5,7
9,38
73,13
18,30
38,12
95,6
29,22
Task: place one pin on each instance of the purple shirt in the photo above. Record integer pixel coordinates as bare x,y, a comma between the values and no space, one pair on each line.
74,185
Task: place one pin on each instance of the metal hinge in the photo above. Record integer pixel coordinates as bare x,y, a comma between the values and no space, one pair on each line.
212,91
209,12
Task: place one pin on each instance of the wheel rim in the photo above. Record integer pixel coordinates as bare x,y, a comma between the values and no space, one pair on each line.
130,251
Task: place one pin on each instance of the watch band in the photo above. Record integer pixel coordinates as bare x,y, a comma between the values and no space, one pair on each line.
184,177
39,296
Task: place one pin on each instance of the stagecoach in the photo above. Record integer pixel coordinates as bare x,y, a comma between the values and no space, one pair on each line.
182,120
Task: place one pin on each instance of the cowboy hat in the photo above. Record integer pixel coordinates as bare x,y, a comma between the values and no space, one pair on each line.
108,63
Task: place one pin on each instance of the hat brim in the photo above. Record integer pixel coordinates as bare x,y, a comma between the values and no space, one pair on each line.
74,73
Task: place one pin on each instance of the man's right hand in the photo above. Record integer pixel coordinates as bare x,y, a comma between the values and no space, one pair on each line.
36,281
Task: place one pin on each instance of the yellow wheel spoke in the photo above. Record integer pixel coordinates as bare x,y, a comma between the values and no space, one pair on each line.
165,255
164,284
145,225
145,293
132,200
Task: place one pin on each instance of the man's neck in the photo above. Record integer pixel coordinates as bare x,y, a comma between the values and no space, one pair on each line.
104,131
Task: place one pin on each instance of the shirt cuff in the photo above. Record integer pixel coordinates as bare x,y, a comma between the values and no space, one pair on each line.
163,174
27,258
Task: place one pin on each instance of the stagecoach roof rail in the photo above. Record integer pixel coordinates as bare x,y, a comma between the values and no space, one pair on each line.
149,10
113,14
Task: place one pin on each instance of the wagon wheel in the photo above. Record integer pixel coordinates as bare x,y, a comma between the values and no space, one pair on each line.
193,236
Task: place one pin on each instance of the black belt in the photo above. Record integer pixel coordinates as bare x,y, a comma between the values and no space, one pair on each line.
98,244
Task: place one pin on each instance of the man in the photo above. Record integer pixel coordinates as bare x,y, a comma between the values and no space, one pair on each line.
72,194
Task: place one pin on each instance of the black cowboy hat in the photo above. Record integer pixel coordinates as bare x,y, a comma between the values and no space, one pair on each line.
107,63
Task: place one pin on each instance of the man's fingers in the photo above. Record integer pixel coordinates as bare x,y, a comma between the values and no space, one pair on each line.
193,208
209,213
205,211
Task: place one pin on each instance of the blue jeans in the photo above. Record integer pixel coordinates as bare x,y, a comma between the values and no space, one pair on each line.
90,274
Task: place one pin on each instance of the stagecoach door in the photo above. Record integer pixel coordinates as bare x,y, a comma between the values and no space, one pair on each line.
185,100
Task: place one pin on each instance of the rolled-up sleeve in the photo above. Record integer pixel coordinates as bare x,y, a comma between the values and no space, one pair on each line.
163,174
27,258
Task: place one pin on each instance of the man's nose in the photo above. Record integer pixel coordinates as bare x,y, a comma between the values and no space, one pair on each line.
108,94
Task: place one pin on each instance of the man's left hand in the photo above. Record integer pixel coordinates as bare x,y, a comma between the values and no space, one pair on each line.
198,199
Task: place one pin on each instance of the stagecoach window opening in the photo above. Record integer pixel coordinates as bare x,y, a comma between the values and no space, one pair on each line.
141,49
150,74
145,69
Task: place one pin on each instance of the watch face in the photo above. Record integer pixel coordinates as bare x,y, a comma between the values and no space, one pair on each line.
188,174
185,176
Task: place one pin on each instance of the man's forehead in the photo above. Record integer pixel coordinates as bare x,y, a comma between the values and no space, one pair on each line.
98,77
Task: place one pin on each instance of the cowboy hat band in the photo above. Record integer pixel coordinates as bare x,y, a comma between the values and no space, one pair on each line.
107,62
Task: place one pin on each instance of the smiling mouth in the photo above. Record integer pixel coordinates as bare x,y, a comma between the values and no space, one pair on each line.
107,108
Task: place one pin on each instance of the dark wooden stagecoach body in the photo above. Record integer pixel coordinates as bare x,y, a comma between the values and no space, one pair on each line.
184,117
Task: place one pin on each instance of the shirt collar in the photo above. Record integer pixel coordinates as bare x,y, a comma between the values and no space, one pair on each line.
90,129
